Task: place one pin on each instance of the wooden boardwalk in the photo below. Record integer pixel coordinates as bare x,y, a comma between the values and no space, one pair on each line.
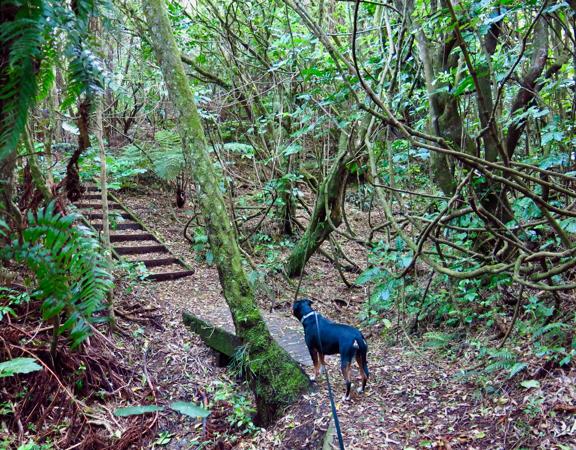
287,331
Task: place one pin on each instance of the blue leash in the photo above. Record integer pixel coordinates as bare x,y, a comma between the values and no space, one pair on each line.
332,403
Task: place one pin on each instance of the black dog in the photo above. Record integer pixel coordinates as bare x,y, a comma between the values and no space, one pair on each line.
324,337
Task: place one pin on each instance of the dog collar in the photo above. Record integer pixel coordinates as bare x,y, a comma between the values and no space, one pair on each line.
306,316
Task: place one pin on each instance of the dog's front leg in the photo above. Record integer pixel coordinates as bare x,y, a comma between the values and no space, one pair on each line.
316,361
322,363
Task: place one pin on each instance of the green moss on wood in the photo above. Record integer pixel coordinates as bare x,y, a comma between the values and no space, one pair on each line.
214,337
327,212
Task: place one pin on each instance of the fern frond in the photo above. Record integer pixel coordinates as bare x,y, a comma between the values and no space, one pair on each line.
555,329
502,354
166,154
437,339
24,37
71,272
30,39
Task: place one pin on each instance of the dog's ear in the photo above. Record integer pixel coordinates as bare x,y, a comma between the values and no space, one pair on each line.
310,302
297,309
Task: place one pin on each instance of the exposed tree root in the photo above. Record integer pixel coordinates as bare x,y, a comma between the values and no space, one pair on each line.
63,400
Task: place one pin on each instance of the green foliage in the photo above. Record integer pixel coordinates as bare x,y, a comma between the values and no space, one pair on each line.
164,438
26,36
137,410
502,359
438,339
242,408
135,273
71,273
189,409
31,445
18,366
245,151
32,36
121,171
530,384
201,246
271,250
166,154
163,156
10,299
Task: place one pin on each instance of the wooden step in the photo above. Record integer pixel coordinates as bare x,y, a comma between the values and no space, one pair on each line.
166,276
97,206
141,250
99,215
159,262
132,237
119,226
96,196
92,189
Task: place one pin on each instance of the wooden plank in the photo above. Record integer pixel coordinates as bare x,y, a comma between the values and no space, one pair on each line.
141,250
97,206
96,196
131,237
167,276
119,226
159,262
99,215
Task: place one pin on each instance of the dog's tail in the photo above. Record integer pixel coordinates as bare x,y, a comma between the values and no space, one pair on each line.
361,347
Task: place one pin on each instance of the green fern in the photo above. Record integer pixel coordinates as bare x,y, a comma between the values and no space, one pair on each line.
555,329
31,39
437,339
166,157
503,359
25,37
244,150
46,75
71,273
166,154
502,354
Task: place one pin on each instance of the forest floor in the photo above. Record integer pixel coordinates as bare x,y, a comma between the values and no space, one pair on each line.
415,399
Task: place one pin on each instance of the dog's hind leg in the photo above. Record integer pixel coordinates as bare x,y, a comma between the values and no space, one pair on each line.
360,359
322,363
346,368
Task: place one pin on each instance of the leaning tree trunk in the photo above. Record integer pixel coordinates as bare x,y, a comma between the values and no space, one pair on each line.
327,212
274,377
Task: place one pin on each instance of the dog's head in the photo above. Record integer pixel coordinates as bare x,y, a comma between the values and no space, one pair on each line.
301,307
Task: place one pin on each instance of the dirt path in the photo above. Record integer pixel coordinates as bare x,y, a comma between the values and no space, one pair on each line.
410,403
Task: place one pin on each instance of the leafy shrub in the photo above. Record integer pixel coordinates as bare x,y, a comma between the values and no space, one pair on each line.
10,299
71,273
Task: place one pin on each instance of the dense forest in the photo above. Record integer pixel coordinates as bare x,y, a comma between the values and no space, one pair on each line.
175,174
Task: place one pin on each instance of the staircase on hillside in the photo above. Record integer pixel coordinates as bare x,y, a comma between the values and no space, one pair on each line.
131,240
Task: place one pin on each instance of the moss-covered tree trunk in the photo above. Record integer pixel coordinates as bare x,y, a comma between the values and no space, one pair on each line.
8,211
37,176
327,212
275,378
